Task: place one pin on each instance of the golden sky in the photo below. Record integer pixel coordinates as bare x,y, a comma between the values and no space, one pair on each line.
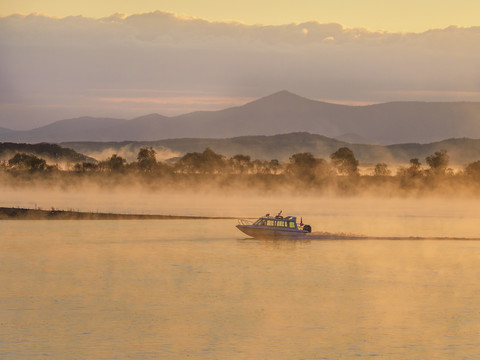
393,15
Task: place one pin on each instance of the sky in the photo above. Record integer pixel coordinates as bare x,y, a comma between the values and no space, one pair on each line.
392,15
125,59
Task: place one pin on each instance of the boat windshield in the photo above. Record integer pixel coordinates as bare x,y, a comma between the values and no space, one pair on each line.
259,222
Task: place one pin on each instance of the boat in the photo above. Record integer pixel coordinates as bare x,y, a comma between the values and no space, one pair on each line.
268,227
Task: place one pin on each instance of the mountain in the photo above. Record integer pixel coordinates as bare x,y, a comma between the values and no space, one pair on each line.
4,130
82,128
282,112
52,153
281,147
354,139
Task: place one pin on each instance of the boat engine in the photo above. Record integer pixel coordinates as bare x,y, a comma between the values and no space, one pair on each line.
307,228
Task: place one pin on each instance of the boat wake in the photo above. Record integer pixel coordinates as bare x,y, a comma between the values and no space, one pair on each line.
344,236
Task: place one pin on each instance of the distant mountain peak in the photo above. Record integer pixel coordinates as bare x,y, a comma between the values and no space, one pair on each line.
280,99
284,94
150,117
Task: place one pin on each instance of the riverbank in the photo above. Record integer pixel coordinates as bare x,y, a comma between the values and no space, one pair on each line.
8,213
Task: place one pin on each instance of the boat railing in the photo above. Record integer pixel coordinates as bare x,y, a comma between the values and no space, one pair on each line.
244,222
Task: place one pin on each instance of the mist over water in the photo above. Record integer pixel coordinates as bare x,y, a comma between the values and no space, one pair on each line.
360,215
198,289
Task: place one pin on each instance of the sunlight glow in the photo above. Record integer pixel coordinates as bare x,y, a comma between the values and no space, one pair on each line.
406,15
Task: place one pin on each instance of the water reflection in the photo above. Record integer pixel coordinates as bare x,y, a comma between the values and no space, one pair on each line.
280,244
197,289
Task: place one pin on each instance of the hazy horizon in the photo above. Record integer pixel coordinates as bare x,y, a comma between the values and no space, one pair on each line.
240,103
122,66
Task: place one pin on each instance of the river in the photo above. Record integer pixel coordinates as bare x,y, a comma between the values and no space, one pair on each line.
198,289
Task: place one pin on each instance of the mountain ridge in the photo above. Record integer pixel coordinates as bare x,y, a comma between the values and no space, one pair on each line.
282,146
281,112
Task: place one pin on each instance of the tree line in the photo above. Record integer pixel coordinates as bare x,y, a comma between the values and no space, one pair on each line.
340,170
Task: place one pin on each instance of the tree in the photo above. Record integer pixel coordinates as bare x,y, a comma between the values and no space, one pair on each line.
23,161
381,169
241,164
302,166
146,158
438,162
345,162
85,166
273,166
473,170
189,163
114,163
413,171
415,164
212,162
207,162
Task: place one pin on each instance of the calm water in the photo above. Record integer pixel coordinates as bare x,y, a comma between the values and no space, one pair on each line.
199,290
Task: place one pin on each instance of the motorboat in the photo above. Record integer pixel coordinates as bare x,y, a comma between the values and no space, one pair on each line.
274,227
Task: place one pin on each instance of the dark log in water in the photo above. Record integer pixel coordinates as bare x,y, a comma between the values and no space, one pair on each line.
7,213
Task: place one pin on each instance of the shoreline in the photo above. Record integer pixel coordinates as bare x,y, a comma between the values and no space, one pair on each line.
11,213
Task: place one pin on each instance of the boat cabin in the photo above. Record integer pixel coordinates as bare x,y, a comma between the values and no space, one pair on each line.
278,221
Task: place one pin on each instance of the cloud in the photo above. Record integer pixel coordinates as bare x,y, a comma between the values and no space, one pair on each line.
62,61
